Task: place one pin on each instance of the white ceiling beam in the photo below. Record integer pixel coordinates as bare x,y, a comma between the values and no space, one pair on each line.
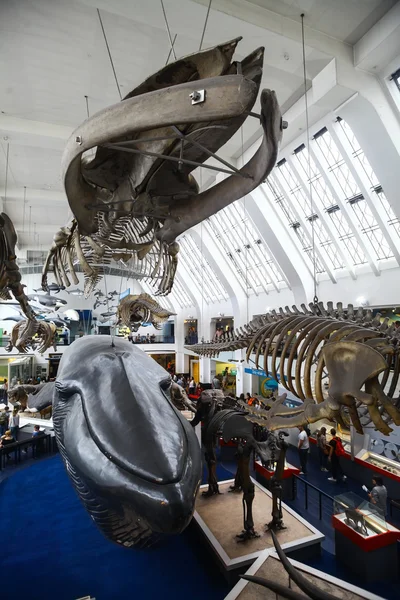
38,196
51,229
267,19
283,248
381,44
242,228
27,132
188,285
220,266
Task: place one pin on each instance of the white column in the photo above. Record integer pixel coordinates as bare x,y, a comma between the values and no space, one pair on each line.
205,370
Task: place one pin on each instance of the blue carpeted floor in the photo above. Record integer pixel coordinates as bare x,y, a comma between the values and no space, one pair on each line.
52,545
51,549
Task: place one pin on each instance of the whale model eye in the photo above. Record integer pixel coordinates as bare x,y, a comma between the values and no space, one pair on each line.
66,389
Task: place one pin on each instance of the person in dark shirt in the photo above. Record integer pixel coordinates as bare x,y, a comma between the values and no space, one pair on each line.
39,436
36,431
6,440
334,459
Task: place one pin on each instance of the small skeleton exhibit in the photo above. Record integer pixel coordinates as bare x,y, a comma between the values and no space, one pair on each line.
133,311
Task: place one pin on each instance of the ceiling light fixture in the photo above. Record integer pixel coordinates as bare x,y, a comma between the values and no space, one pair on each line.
362,301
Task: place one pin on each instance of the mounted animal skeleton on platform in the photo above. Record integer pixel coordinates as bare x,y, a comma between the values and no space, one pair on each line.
137,194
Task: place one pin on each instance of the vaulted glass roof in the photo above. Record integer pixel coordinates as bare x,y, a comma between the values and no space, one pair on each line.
327,195
193,261
247,252
178,298
349,192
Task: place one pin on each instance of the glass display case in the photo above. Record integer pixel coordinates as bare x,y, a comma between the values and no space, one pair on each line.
382,454
359,514
20,369
345,436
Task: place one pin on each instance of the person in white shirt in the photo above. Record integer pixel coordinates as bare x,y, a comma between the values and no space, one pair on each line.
216,383
192,386
304,447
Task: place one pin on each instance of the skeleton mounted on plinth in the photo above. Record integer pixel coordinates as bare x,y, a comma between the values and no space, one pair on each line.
227,418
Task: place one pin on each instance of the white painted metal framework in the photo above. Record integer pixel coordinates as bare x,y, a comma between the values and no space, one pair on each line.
332,188
248,253
206,280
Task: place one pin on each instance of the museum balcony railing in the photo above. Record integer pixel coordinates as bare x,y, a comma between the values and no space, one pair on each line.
157,339
311,492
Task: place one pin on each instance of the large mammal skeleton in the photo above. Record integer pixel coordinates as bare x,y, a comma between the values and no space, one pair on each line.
228,418
10,283
10,276
351,347
136,195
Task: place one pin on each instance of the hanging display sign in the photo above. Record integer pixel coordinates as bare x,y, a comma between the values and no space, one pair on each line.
125,294
258,372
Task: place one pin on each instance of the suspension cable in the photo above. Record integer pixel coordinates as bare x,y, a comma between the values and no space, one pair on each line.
309,162
205,25
109,54
246,242
6,178
23,215
168,29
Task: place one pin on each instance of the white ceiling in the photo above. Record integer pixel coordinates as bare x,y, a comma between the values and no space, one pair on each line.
52,54
345,20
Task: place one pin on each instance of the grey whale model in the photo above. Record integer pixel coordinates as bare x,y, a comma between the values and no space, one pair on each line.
133,459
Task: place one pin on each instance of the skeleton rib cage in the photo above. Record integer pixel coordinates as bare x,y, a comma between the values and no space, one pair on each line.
289,344
125,239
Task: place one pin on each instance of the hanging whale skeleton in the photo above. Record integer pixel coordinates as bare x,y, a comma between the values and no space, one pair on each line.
358,353
137,194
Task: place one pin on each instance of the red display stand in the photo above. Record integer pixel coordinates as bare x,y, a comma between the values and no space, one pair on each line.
370,543
264,476
372,557
289,471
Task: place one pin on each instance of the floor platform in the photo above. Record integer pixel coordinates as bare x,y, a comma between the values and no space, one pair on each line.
220,518
269,566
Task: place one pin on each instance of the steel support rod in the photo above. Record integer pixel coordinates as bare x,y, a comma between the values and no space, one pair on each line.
170,50
174,159
206,150
168,30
